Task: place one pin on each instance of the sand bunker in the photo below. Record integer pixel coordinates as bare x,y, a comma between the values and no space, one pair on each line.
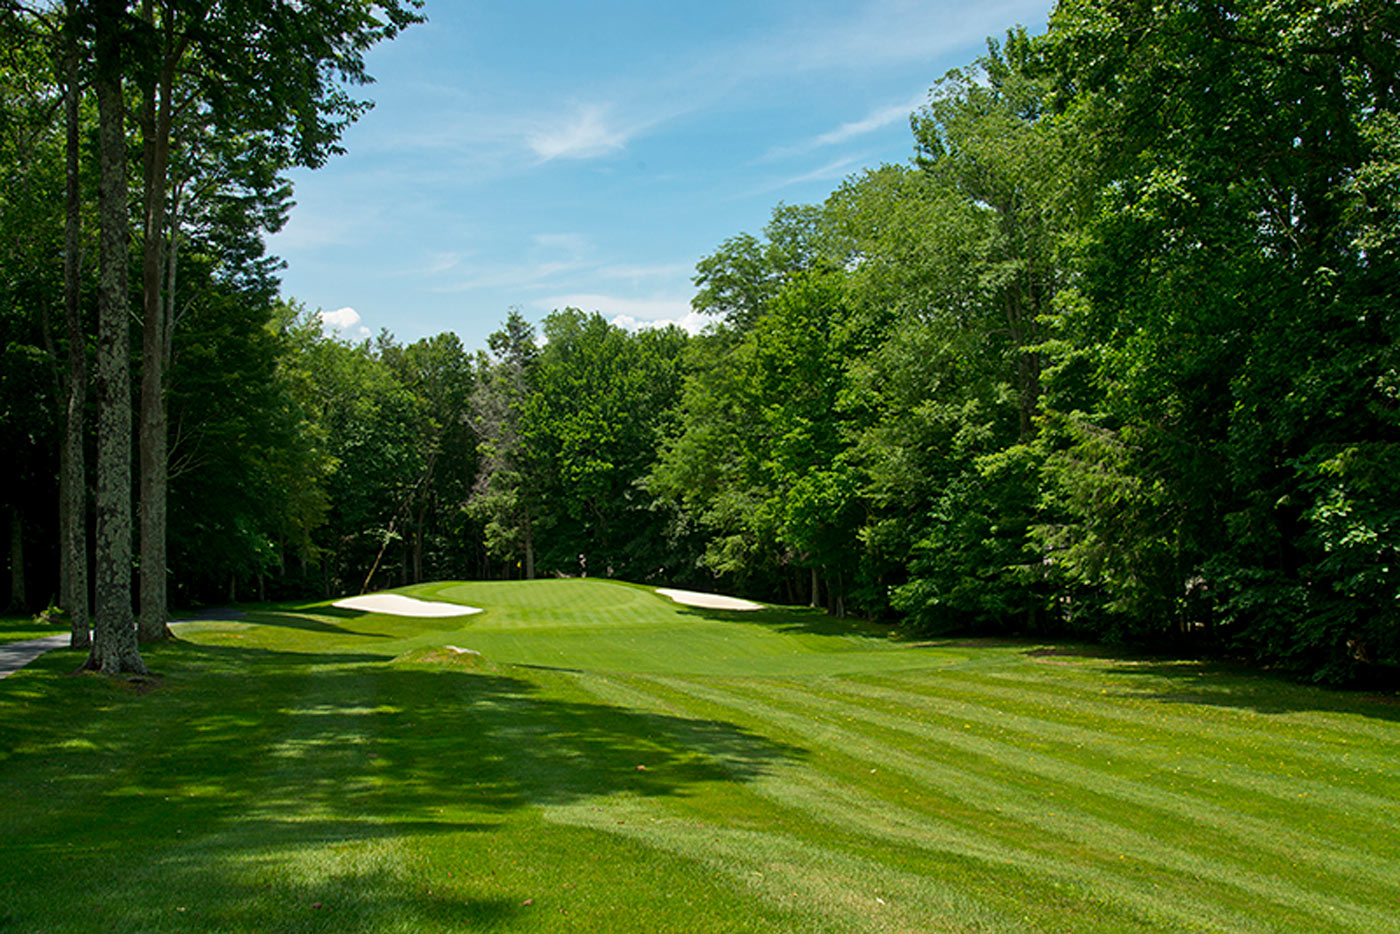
709,601
395,604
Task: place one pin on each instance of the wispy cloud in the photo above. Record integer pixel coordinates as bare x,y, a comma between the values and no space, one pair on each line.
549,256
663,271
875,120
872,122
893,31
574,244
439,263
516,276
588,133
837,168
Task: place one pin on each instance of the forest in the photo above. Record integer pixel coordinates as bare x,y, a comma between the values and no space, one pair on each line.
1113,357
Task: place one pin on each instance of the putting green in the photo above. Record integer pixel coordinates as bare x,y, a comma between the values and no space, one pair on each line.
598,625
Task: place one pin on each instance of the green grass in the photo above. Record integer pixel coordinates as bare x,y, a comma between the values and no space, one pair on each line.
21,628
614,761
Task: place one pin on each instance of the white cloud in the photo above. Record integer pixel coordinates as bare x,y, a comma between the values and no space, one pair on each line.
632,313
585,135
341,319
692,322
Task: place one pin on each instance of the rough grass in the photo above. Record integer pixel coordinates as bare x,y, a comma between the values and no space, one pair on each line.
614,761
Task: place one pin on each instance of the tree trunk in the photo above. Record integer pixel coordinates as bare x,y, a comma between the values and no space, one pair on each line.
114,647
19,600
73,469
418,551
816,591
155,156
529,551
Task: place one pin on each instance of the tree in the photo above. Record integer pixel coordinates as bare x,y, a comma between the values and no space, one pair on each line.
1237,306
502,499
273,71
588,428
114,648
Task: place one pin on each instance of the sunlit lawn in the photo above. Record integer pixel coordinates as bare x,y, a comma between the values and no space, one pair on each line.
614,761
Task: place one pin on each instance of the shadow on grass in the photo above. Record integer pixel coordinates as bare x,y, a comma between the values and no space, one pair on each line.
1219,684
1187,680
790,620
247,760
290,620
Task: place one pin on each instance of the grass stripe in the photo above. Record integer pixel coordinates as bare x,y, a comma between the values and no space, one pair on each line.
1070,828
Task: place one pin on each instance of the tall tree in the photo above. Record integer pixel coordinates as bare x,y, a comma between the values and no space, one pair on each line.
114,648
503,499
73,479
272,70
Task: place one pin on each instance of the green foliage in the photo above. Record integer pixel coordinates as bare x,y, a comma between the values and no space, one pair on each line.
586,423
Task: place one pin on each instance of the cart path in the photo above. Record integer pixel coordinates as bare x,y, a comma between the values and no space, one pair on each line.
15,655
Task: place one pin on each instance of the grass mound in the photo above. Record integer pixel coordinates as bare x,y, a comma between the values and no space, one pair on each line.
615,761
448,655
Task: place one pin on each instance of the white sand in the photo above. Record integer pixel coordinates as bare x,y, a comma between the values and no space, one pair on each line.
395,604
709,601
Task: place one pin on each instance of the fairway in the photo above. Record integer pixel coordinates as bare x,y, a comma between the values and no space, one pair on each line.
612,760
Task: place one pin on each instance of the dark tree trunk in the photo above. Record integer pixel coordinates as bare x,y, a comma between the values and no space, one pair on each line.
114,648
19,600
73,469
155,156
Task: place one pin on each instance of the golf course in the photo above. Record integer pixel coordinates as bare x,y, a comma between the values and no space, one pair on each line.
588,755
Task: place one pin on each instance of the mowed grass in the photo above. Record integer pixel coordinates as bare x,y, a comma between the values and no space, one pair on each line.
613,761
22,628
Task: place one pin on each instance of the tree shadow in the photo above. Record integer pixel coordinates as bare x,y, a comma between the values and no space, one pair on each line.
791,620
1216,683
1219,684
245,755
287,619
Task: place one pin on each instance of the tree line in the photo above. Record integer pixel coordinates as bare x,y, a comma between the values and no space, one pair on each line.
1113,356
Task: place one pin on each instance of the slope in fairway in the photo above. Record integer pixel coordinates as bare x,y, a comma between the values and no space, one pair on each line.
616,761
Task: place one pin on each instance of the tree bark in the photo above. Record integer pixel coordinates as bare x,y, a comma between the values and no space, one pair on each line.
19,600
73,468
114,648
816,590
155,120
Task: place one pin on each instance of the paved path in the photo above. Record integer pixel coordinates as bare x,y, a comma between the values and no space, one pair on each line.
15,655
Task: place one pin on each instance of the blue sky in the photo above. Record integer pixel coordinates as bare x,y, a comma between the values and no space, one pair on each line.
542,154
